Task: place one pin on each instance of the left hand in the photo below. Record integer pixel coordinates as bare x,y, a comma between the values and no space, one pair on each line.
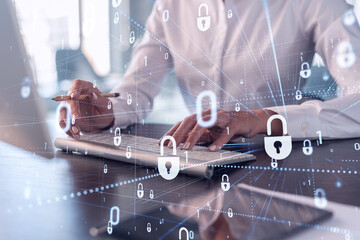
242,123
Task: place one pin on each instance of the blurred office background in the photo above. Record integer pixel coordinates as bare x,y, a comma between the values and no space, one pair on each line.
72,39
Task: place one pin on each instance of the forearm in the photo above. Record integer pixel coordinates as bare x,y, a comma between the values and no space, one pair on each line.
337,118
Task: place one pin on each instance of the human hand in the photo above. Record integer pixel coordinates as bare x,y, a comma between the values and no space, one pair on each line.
229,124
86,115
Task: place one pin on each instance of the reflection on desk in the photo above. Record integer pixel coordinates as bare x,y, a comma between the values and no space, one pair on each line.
63,197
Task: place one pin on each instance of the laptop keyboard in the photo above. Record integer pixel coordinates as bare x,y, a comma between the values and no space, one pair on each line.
198,154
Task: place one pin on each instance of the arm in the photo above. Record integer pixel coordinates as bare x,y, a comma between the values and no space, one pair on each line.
143,82
338,118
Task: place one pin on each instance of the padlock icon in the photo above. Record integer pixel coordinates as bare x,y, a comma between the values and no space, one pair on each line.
186,233
320,199
274,163
203,22
346,56
230,213
117,137
109,227
349,18
229,15
278,147
109,105
128,152
169,167
140,190
298,95
105,169
199,113
115,210
305,71
132,37
307,148
116,17
237,107
129,99
148,227
225,183
151,195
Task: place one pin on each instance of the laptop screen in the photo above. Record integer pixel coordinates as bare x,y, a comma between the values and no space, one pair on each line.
22,112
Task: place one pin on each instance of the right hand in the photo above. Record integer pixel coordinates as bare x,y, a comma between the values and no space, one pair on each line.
91,114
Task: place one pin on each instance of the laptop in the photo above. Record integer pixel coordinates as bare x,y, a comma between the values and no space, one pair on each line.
23,124
22,111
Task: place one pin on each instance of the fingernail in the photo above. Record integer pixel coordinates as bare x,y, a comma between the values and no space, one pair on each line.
186,145
72,95
212,148
94,95
75,129
170,144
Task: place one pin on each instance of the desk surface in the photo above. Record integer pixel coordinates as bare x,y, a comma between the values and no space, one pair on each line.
63,197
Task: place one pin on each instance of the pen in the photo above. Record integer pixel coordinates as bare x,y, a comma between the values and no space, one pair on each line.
83,97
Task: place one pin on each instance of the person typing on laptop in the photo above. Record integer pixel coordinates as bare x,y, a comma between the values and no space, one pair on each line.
246,52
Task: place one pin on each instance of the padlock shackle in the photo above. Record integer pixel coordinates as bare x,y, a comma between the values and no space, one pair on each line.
183,229
225,175
306,141
117,130
142,187
303,64
213,114
117,209
281,118
172,139
128,148
206,9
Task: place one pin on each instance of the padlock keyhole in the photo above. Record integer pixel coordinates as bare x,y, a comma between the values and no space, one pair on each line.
203,23
277,145
168,166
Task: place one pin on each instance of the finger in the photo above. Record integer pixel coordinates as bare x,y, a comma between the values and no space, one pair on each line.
206,137
79,87
183,130
223,139
74,118
101,116
194,137
170,132
73,131
195,134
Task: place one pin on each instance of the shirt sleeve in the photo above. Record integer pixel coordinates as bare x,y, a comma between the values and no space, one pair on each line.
150,63
338,118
